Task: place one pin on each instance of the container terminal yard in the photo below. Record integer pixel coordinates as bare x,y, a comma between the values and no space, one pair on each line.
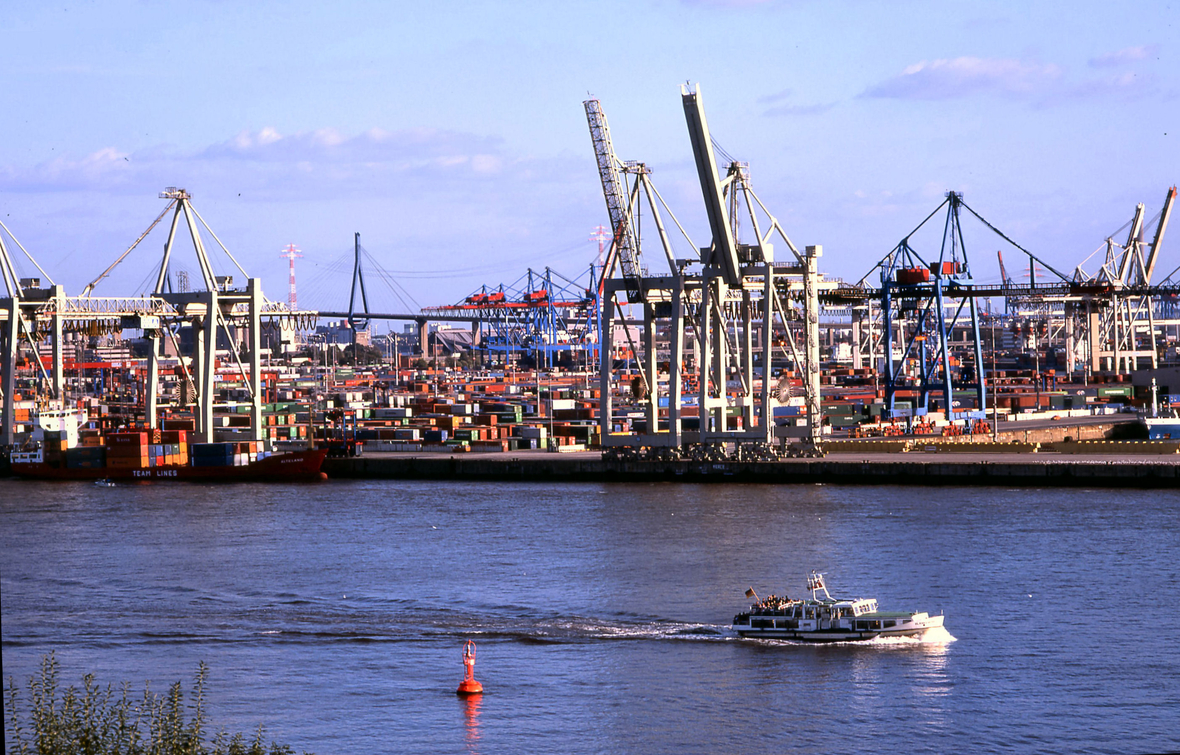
741,362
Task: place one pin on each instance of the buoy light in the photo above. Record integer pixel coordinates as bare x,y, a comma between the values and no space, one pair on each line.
469,686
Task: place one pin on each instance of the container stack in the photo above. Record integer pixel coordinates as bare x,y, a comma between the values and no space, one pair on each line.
239,454
176,443
86,457
213,454
128,450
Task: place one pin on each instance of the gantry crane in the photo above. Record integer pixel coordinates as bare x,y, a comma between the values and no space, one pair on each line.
624,248
212,311
1124,332
20,317
626,187
732,278
724,304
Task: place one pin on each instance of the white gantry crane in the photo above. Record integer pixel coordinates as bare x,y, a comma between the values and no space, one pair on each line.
724,307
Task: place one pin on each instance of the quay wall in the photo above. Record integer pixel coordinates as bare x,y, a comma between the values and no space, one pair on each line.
1036,470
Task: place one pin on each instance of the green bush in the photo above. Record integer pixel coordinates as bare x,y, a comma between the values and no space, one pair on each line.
106,721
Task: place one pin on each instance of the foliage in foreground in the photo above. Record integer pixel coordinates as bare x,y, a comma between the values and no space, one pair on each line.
103,721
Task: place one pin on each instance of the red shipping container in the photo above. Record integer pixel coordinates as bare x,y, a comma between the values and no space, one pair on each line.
913,275
127,439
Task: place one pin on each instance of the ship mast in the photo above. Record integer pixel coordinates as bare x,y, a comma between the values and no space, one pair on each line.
815,583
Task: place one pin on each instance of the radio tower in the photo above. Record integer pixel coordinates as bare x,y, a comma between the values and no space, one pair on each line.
600,235
291,253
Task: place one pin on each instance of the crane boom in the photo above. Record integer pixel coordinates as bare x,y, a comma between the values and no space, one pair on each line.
624,249
723,252
1153,255
1133,238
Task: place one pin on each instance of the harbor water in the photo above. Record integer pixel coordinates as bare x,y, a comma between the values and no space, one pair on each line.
335,614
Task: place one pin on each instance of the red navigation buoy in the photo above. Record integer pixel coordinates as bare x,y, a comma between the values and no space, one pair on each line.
469,686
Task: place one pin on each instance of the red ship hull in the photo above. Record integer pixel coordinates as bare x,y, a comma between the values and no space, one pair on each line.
296,466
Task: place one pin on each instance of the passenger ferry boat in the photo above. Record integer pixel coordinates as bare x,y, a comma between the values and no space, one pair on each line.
828,619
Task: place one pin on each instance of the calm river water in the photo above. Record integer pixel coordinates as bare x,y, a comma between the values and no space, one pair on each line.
335,614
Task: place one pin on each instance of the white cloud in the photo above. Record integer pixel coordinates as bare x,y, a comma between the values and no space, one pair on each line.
105,167
1126,85
960,77
411,147
316,163
433,197
1124,56
485,163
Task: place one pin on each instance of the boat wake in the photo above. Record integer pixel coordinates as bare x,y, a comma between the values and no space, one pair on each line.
308,620
583,629
935,636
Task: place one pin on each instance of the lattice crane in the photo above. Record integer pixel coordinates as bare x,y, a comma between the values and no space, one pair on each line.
624,248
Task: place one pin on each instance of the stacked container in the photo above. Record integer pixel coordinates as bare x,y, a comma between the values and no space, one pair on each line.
86,457
128,450
177,446
213,454
239,454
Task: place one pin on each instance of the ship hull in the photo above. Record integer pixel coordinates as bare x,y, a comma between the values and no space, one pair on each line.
296,466
1167,428
916,630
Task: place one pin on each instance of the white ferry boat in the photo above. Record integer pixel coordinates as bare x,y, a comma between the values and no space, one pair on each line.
828,619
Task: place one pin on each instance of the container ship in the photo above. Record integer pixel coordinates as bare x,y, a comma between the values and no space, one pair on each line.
149,455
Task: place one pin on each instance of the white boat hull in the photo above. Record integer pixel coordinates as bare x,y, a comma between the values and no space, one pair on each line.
807,631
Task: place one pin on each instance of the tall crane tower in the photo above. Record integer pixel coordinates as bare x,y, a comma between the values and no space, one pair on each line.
291,252
725,305
742,290
660,299
624,245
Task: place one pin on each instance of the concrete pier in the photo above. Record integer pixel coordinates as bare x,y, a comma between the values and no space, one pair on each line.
1012,469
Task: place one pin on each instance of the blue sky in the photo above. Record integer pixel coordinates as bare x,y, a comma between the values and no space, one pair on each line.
452,136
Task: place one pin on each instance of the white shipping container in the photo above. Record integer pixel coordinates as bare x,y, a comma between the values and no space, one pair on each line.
396,412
